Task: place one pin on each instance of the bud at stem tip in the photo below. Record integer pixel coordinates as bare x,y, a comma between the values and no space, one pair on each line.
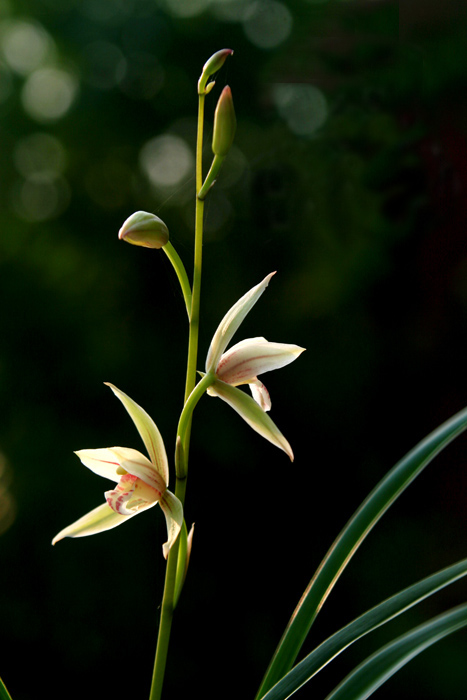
144,229
225,124
211,66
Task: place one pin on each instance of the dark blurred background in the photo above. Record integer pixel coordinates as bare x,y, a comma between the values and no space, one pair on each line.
348,176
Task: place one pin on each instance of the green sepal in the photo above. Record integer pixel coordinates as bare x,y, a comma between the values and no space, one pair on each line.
148,431
252,413
231,322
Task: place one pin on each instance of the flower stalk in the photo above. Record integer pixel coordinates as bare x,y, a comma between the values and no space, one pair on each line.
168,599
141,482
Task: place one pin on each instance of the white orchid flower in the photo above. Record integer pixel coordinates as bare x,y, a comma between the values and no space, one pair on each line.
243,363
141,483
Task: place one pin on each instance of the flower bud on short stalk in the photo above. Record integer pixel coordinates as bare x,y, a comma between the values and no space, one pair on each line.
211,66
144,229
225,125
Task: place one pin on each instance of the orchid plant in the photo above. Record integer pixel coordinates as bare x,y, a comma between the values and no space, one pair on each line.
141,482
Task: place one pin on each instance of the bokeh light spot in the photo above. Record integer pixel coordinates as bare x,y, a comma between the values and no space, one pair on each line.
41,197
108,182
218,216
167,160
39,154
48,94
104,64
237,167
187,8
7,502
267,23
6,82
104,11
302,106
25,45
143,78
230,10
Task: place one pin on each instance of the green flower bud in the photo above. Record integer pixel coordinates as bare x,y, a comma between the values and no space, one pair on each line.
225,124
211,66
144,229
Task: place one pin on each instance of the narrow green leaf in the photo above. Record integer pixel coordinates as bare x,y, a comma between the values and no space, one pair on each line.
377,669
377,616
4,694
347,543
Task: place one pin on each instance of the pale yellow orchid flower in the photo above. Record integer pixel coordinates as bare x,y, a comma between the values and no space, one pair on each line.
141,483
243,363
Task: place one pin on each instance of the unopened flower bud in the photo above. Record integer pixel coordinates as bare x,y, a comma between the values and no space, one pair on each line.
144,229
225,124
211,66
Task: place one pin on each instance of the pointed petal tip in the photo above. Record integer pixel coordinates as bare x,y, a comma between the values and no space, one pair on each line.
287,449
60,536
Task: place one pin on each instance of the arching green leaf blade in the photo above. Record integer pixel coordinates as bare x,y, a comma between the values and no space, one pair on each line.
348,541
377,669
377,616
4,694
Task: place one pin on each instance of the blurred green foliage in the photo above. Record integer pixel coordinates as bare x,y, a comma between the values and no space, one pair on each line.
348,176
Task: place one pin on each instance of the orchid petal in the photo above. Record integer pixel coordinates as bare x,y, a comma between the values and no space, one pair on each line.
103,462
138,465
260,394
98,520
249,358
232,321
149,432
173,511
251,413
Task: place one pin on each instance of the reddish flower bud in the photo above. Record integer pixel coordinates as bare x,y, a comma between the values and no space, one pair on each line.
225,124
211,66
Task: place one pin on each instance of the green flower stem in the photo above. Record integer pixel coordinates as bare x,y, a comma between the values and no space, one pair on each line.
168,599
184,423
180,271
199,217
165,623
